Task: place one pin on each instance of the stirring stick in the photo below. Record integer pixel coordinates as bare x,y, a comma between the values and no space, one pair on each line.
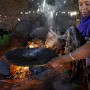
39,65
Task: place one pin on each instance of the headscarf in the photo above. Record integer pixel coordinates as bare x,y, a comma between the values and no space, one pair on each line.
84,26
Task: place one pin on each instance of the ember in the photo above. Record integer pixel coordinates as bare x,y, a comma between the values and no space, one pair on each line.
18,72
36,43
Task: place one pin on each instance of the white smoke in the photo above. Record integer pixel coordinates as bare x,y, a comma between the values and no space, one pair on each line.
49,11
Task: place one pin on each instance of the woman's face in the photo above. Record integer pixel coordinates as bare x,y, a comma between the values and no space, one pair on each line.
84,7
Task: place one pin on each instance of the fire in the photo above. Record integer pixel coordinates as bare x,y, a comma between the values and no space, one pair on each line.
32,45
36,43
18,72
48,46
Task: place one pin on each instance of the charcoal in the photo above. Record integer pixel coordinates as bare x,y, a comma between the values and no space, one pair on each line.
43,73
37,70
30,56
39,73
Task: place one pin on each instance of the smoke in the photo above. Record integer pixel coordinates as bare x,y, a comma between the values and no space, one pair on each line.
56,12
50,10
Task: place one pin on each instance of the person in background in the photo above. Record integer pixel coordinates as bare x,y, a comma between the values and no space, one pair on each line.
83,51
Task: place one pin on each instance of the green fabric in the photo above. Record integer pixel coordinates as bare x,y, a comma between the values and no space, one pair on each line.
4,40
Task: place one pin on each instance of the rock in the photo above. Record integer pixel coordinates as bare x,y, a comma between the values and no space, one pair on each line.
24,27
40,32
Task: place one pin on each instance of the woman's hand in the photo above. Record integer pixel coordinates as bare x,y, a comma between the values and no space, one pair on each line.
58,64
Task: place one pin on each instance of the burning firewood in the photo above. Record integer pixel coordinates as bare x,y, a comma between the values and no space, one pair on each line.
36,43
18,72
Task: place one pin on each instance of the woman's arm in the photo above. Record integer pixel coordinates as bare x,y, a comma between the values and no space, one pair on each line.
80,53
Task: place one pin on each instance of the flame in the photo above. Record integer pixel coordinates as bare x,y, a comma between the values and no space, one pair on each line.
18,72
48,46
32,45
35,44
38,43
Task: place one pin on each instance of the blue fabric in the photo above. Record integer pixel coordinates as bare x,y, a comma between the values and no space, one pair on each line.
4,68
84,27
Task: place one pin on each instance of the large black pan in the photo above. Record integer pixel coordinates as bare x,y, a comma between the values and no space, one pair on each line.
30,56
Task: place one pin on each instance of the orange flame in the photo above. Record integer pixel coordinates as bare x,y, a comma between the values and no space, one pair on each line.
35,44
18,72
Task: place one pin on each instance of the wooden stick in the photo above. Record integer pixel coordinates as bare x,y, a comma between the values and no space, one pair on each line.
39,65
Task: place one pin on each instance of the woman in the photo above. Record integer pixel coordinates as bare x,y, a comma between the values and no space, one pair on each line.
83,51
84,27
